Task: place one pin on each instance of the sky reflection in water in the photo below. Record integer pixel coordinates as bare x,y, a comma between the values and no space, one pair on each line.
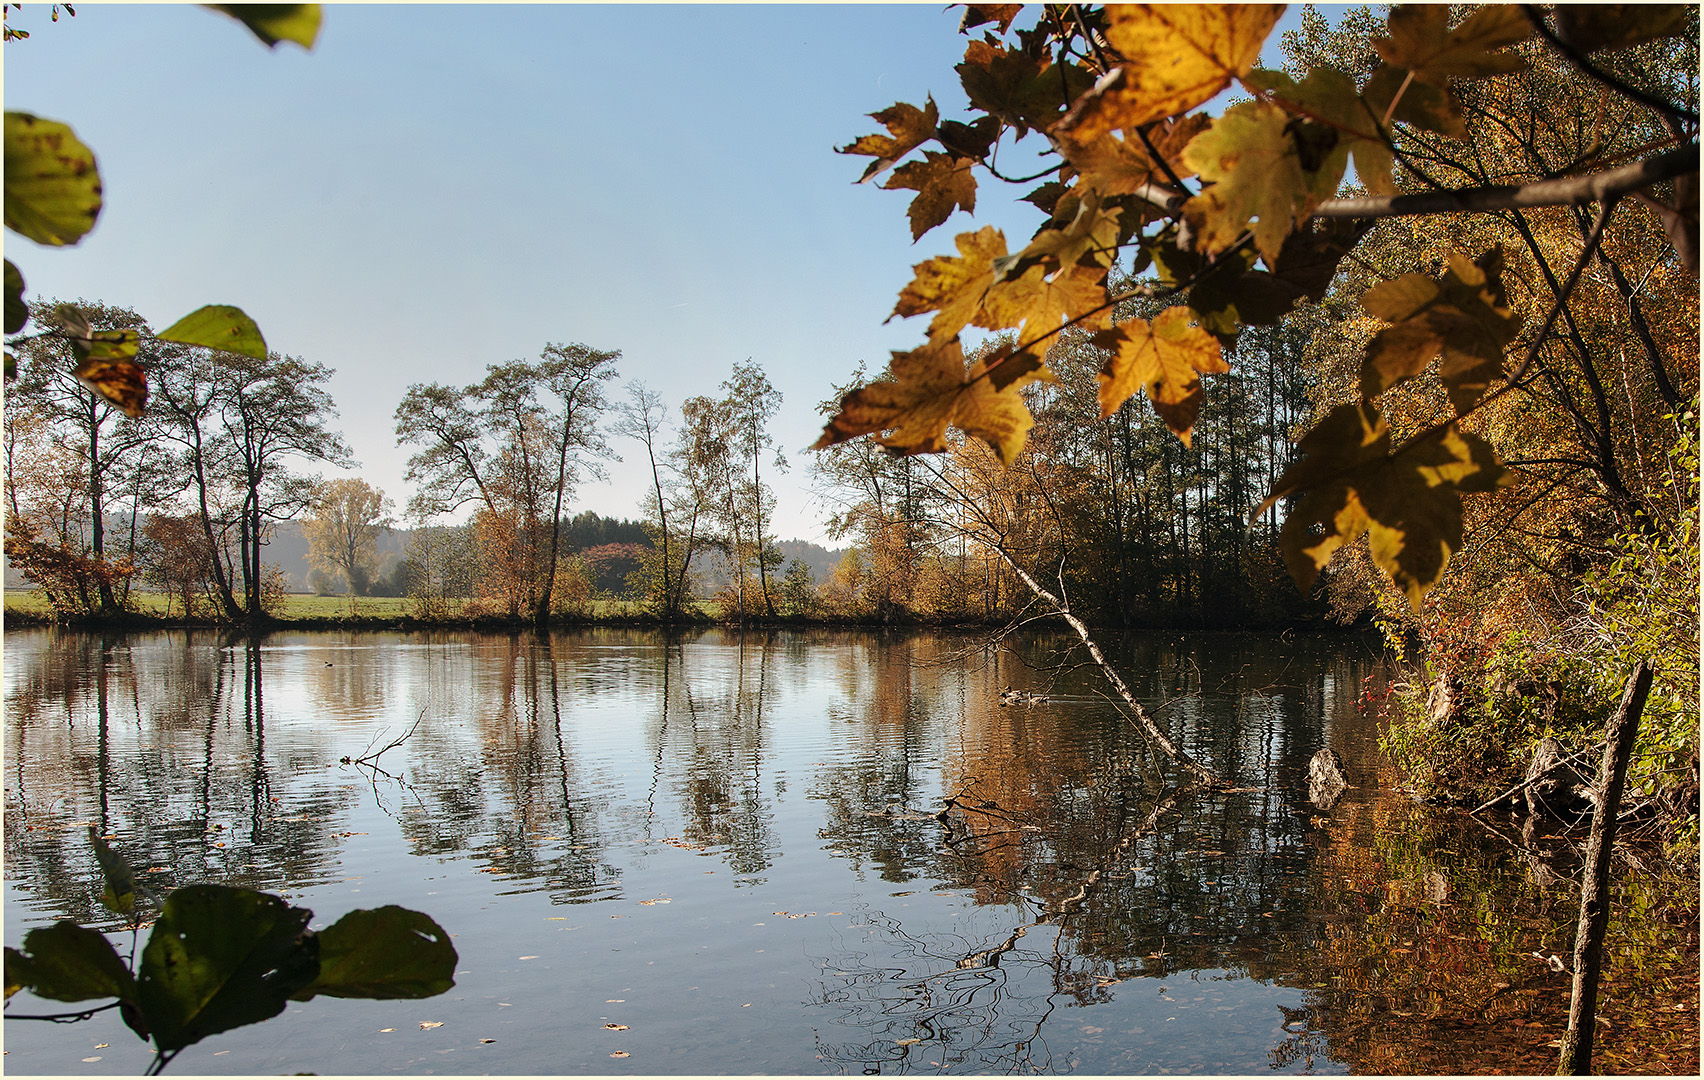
719,854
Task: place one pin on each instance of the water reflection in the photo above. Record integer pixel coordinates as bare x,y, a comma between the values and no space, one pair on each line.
970,886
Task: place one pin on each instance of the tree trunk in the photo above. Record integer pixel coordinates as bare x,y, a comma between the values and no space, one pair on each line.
1594,886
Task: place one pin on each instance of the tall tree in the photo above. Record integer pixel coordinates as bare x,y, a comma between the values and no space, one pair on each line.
518,442
751,400
97,432
343,531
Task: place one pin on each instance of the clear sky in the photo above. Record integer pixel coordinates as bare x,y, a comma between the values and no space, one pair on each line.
435,188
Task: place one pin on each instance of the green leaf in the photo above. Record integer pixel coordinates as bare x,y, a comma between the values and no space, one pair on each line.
218,326
219,958
17,312
65,962
272,23
120,892
384,953
1430,108
53,188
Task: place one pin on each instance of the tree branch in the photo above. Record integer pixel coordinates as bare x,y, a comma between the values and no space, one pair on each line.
1535,15
1572,191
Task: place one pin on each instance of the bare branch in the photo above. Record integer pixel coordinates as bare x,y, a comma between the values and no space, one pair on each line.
1571,191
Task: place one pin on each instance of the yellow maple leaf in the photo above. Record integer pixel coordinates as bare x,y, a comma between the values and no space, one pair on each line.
1177,56
953,286
1254,163
909,128
1122,165
1408,502
928,390
1421,41
1166,358
1038,303
1463,318
1089,239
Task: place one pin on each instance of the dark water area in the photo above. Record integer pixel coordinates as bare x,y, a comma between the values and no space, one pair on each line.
724,854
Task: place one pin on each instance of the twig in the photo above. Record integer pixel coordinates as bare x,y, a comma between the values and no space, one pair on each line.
66,1017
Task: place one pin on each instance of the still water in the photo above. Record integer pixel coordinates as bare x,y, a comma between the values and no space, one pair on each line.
720,853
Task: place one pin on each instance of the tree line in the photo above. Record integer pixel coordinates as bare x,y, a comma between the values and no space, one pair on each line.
184,495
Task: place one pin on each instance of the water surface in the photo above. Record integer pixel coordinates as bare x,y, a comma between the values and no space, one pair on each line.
727,854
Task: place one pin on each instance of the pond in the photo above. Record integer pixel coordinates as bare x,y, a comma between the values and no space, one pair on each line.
727,853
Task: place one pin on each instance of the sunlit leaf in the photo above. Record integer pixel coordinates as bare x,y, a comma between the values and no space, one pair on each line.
17,312
1040,303
908,126
953,286
1348,482
1596,27
1254,164
942,182
1089,239
1328,97
385,953
928,390
219,958
1464,318
218,326
119,893
1165,358
53,188
1178,56
1421,41
272,23
1121,165
66,962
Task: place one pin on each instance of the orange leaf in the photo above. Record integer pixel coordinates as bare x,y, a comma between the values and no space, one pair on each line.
909,128
1176,57
951,286
942,182
1166,358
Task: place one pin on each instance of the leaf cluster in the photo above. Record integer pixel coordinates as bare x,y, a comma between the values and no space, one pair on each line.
221,957
1220,219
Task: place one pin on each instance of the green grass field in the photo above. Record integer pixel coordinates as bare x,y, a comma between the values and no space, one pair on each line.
302,607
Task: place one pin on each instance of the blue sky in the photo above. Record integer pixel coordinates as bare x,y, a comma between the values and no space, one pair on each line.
436,188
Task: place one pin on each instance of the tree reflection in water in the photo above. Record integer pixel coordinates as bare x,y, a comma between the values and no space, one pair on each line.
998,867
